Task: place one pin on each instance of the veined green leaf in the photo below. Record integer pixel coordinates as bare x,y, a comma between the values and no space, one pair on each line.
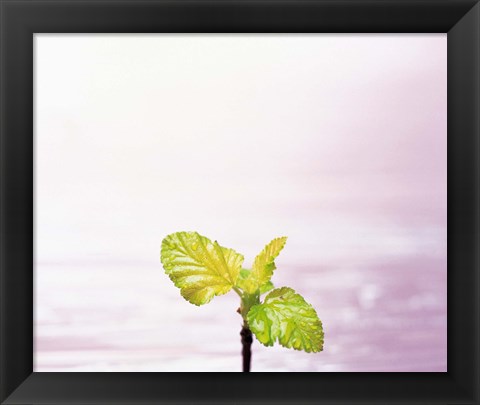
286,316
266,287
263,265
242,279
199,267
242,282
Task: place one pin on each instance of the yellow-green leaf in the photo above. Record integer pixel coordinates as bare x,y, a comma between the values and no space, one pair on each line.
242,282
263,266
242,279
199,267
286,316
266,287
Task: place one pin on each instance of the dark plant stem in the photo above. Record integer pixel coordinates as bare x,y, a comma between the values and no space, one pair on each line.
246,347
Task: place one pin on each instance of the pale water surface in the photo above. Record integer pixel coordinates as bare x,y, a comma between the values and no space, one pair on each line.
388,315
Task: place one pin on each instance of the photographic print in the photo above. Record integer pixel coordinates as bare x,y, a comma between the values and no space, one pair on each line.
198,194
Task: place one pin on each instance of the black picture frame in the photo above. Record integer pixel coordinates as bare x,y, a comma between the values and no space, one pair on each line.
20,19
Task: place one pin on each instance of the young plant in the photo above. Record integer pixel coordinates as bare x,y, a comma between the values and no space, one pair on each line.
203,269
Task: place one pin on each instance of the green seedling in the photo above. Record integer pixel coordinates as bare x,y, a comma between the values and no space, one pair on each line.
203,269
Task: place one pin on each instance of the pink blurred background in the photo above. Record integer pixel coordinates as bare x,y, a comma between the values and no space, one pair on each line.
336,141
